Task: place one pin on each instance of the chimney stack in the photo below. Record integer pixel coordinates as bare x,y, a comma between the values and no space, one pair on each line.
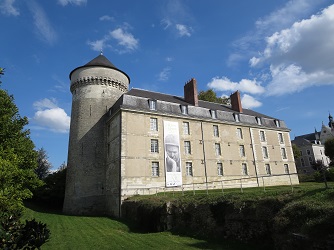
190,92
236,102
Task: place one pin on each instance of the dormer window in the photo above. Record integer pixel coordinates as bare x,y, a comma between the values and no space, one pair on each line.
236,117
153,104
184,109
258,120
277,123
213,114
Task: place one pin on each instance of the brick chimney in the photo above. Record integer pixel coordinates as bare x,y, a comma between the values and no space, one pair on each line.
236,102
190,92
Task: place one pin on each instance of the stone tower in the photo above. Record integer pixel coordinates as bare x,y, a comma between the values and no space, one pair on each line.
95,87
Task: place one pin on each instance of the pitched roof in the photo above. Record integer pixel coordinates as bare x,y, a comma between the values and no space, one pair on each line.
181,101
138,99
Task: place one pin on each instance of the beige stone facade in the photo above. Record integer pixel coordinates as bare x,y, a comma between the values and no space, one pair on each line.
123,150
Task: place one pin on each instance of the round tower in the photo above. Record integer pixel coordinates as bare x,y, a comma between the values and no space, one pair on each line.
95,87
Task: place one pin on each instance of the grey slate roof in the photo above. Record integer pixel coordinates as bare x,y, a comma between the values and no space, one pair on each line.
137,99
100,61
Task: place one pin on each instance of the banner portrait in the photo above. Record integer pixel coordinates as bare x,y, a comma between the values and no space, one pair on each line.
172,154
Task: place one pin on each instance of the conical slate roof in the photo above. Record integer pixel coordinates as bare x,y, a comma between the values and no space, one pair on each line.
100,61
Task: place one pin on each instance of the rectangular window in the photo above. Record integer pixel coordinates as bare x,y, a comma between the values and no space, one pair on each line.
302,162
184,109
258,120
186,128
155,169
277,123
154,146
189,169
242,151
108,132
215,131
153,104
308,151
310,160
268,170
262,136
154,124
236,117
283,153
187,147
286,169
239,133
217,148
213,114
244,169
220,169
280,138
265,152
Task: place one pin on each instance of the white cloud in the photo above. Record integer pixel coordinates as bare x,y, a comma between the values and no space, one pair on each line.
106,18
43,27
282,18
183,30
73,2
166,23
245,85
97,45
300,56
250,102
7,8
286,15
50,116
164,74
125,39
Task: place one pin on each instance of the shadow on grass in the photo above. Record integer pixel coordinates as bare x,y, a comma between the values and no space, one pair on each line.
42,208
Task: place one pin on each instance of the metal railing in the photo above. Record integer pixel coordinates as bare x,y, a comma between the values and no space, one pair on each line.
263,181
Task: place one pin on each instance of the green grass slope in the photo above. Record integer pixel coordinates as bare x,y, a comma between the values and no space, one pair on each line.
80,232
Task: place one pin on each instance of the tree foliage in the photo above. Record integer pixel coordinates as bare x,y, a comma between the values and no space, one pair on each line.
18,160
53,192
329,149
296,151
43,164
211,96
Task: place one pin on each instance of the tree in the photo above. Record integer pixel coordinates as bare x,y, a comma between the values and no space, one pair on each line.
43,164
18,160
296,151
329,149
211,96
319,166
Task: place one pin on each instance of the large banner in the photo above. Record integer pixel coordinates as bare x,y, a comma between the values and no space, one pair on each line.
172,154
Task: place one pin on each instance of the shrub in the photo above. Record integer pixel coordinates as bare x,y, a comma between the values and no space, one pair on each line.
15,235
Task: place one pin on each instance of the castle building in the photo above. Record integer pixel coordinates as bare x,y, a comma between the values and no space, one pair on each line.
126,142
312,147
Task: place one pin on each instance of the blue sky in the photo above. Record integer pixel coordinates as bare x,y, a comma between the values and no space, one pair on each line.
278,54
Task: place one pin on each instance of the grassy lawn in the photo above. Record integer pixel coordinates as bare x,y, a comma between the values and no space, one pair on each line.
80,232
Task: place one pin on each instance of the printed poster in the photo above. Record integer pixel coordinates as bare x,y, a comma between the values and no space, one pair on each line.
172,154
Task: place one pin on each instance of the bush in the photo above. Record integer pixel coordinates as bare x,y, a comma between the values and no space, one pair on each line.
15,235
53,192
306,177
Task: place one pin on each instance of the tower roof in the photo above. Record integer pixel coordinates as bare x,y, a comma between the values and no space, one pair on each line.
100,61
